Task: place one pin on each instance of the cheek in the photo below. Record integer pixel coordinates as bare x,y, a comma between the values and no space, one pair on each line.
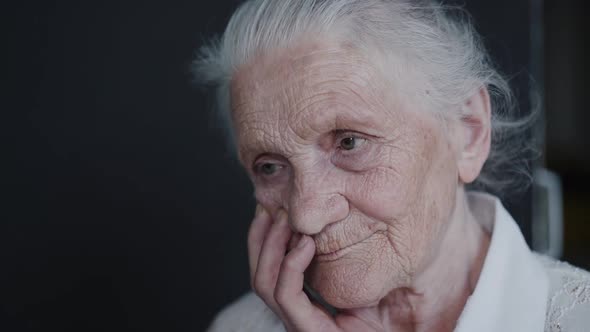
437,201
389,192
442,185
272,193
270,197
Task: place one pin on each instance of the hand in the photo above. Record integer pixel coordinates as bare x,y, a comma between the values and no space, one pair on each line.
278,278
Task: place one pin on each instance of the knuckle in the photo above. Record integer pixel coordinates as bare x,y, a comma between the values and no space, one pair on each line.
253,283
262,293
290,264
258,284
281,295
262,288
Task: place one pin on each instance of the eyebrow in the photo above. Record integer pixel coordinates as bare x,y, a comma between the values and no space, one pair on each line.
250,148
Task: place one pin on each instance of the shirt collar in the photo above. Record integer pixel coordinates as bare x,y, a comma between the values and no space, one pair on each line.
511,292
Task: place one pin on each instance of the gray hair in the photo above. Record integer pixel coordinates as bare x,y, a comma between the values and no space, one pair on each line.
439,42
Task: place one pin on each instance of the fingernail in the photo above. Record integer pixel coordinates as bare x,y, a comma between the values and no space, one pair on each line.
282,216
302,242
261,212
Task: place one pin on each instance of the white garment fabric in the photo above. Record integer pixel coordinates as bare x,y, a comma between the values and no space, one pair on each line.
517,290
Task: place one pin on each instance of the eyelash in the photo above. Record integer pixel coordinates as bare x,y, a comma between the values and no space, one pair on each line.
258,167
342,134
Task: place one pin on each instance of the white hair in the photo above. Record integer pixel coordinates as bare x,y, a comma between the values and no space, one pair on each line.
438,41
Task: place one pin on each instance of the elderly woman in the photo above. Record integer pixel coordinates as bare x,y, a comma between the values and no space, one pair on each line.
360,124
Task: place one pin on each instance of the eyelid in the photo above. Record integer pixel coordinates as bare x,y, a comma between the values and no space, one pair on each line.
263,158
258,163
341,134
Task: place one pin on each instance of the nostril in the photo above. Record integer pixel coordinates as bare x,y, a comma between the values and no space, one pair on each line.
337,202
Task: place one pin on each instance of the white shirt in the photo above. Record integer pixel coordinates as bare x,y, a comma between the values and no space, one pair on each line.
517,290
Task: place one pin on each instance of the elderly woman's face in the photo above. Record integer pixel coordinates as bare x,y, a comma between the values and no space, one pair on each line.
355,161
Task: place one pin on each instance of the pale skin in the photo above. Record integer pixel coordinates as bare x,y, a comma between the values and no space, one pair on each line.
360,192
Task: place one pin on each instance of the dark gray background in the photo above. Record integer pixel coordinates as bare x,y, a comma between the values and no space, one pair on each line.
121,209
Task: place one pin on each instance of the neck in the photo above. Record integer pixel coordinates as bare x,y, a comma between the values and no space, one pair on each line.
437,295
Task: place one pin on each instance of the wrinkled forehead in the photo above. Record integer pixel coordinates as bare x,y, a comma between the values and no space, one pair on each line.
300,66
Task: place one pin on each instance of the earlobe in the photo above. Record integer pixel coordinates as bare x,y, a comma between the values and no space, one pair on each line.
475,127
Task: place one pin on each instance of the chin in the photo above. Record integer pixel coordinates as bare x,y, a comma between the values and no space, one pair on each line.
347,284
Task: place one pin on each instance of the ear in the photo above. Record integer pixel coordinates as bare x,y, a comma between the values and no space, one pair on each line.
475,135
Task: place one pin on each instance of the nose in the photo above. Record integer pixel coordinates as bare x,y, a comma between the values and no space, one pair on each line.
315,202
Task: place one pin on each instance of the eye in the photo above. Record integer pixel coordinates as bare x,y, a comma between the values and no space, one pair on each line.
269,168
351,142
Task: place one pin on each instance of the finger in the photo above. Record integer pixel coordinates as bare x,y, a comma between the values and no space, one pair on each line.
271,255
258,230
294,240
289,295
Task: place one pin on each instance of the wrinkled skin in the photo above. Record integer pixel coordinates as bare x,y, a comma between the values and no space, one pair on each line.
366,181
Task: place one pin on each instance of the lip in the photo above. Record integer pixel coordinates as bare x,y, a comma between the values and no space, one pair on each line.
334,255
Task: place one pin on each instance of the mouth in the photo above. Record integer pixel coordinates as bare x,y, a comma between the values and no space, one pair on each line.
334,255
